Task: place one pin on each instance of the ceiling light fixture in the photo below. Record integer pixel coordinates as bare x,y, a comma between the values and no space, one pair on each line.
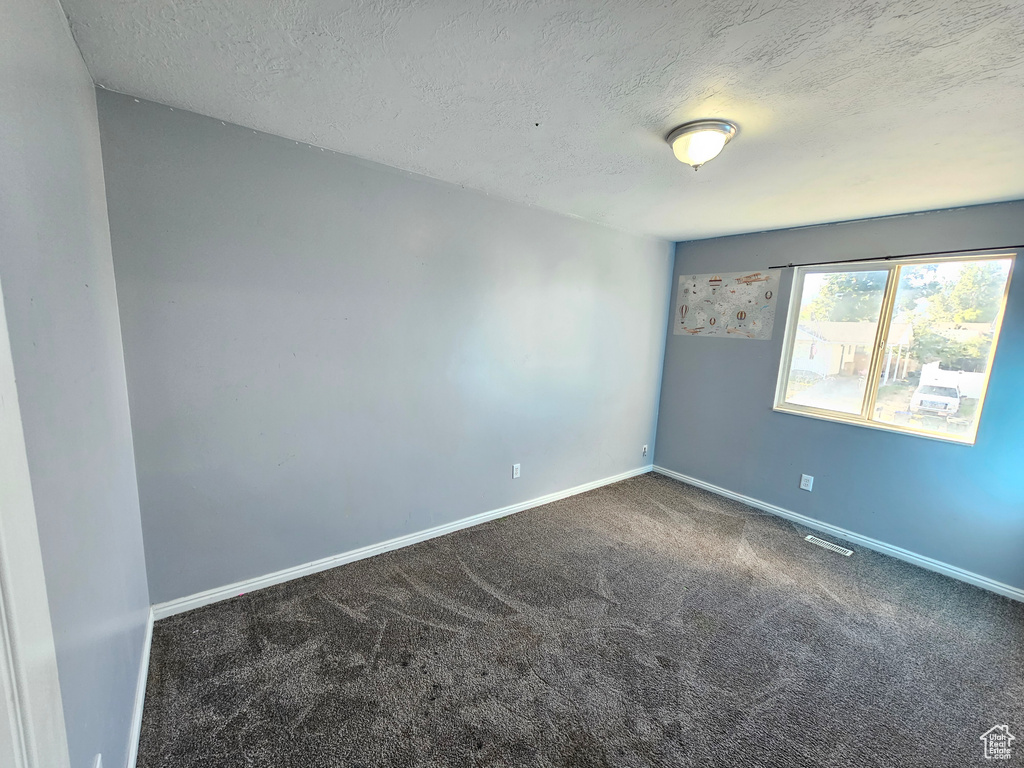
697,142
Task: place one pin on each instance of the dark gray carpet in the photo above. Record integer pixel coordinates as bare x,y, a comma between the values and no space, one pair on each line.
647,623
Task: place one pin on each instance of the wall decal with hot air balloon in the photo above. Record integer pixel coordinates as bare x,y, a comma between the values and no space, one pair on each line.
738,305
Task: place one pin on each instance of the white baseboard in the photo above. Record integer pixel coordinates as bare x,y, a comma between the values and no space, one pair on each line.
977,580
140,694
198,600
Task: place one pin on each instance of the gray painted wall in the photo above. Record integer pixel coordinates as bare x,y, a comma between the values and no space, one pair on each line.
958,504
61,307
324,353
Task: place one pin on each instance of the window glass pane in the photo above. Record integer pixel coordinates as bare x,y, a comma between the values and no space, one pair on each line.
836,333
936,358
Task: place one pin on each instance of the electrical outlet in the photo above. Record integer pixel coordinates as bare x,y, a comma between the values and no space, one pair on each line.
515,471
806,483
645,451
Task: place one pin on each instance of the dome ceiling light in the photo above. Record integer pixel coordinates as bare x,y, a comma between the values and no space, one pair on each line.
696,142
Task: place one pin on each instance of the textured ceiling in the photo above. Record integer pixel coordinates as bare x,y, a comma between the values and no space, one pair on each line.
845,109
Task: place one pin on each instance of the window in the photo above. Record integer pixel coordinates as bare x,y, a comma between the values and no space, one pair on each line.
904,345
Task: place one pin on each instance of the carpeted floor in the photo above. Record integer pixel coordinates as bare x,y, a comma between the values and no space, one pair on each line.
647,623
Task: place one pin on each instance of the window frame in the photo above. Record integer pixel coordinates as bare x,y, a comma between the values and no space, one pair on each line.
893,267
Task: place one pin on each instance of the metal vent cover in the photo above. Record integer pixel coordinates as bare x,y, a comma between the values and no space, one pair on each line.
829,545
